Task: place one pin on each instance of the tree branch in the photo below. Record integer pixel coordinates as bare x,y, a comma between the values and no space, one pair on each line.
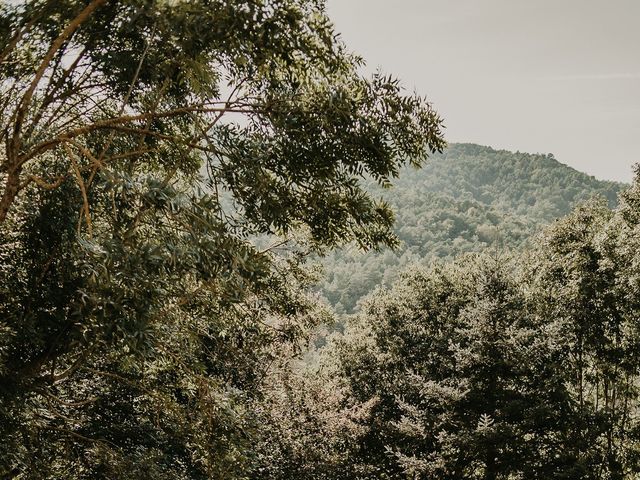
46,61
83,190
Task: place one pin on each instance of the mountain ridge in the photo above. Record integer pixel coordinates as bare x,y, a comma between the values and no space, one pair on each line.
466,199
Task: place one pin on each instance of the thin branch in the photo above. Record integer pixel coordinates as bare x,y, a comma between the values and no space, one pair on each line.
63,109
127,96
42,183
275,245
81,437
83,190
51,90
115,123
135,384
65,403
55,46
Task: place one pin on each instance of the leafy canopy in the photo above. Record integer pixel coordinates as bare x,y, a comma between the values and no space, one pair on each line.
146,145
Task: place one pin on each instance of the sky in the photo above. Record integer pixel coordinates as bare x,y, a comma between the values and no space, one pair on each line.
538,76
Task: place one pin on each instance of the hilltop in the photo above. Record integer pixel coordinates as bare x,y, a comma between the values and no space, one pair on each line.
469,198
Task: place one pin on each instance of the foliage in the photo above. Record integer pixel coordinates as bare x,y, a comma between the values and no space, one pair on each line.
468,385
585,276
168,167
468,199
146,145
309,428
499,367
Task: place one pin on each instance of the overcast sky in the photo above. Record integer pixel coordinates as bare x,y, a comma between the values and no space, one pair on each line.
549,76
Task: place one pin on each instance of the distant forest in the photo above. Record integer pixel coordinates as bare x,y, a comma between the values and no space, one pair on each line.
468,199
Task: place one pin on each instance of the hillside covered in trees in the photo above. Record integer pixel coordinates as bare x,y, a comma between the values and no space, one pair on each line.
490,366
467,199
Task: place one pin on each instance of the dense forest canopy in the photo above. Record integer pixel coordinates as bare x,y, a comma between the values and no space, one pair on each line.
170,172
470,198
493,366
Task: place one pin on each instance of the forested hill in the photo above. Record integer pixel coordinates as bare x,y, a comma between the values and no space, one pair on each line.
467,199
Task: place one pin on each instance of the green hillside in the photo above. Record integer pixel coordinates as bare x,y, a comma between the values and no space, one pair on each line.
469,198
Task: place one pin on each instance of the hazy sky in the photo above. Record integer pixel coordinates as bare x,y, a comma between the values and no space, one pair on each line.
549,76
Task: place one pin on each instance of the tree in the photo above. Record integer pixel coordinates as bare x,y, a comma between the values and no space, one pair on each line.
308,426
467,384
583,276
147,144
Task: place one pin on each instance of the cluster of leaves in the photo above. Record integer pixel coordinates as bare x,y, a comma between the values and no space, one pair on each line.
468,199
139,349
468,382
146,145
